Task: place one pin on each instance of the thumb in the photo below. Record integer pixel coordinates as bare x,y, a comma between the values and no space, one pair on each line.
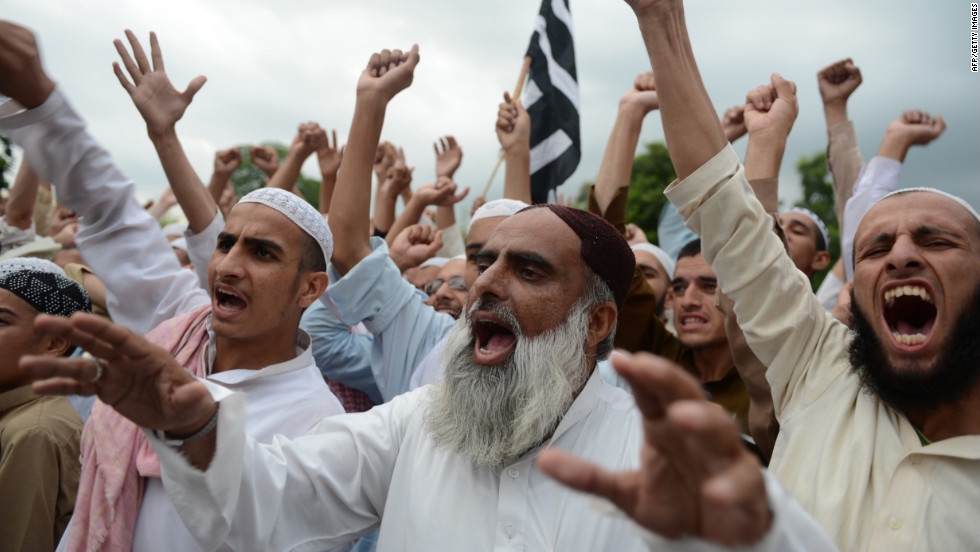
938,124
413,57
784,88
436,243
193,87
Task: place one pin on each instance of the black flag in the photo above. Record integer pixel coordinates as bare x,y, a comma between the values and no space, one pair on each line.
551,99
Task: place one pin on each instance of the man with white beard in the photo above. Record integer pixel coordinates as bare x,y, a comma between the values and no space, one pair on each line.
540,313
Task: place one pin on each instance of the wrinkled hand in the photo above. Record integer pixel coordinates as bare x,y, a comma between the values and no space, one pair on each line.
441,192
513,125
733,122
448,158
309,138
387,73
478,202
139,379
329,156
21,75
226,161
643,95
838,81
160,104
414,245
916,127
694,479
635,235
771,108
266,158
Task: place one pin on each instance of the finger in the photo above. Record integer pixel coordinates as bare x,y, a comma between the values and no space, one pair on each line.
656,382
621,489
138,53
373,64
333,133
120,338
507,97
122,78
63,386
131,67
65,328
939,125
193,87
383,61
785,89
709,431
459,197
452,141
155,52
396,59
45,367
412,58
754,98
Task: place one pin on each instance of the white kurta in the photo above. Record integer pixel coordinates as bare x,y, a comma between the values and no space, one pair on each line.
852,461
353,471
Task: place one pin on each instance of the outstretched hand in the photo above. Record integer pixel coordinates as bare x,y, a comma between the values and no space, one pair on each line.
160,104
329,156
441,192
695,477
138,379
449,157
388,73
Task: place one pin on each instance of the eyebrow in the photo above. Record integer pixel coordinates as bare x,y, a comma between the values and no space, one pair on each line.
518,257
933,231
252,242
5,310
702,279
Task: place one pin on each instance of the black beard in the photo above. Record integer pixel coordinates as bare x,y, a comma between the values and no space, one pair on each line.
920,389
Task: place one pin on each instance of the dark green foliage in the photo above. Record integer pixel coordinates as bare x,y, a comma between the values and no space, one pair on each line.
6,161
652,173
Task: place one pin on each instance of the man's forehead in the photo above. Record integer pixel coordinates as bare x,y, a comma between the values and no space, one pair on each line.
259,221
481,229
20,307
452,268
538,229
692,266
789,216
916,209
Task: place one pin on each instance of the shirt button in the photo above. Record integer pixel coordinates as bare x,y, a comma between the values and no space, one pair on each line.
915,458
894,523
509,531
513,473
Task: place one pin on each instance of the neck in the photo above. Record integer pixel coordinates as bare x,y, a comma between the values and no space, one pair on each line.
951,420
713,362
253,353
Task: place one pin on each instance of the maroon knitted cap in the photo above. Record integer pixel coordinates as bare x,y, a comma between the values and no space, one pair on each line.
604,249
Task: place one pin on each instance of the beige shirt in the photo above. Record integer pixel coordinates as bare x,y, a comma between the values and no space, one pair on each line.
854,463
39,468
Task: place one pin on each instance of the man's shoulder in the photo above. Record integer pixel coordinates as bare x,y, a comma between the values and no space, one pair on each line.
45,418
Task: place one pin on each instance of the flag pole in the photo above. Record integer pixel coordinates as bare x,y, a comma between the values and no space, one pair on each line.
513,99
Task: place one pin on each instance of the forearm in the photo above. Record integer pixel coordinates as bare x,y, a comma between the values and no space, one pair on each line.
894,146
844,161
20,202
198,205
835,112
217,185
517,175
617,161
326,192
410,215
384,211
445,216
691,127
764,157
351,204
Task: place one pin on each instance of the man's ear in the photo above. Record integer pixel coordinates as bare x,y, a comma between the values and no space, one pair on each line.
602,320
312,286
820,261
54,345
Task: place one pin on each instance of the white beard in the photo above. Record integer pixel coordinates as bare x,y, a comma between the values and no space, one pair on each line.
494,414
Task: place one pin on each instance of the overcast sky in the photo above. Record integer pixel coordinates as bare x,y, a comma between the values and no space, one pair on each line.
271,66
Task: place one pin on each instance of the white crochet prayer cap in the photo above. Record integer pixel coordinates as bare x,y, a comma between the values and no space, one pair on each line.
934,191
44,286
660,254
298,211
434,261
461,257
816,220
33,264
497,208
179,243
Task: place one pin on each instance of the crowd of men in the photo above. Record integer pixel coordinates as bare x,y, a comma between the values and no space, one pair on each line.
276,376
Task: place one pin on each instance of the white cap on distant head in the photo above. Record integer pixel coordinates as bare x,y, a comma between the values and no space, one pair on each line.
298,211
497,208
816,220
175,230
660,254
434,261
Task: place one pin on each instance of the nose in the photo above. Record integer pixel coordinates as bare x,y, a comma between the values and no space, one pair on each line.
690,299
228,264
489,284
904,255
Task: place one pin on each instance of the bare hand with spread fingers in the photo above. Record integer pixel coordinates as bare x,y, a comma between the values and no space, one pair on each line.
695,477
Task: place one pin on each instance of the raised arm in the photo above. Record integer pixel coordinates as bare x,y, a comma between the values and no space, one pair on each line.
395,181
387,74
617,162
328,158
441,193
161,106
225,163
448,159
20,203
770,111
514,134
837,82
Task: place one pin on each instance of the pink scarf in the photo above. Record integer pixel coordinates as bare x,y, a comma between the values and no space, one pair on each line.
116,456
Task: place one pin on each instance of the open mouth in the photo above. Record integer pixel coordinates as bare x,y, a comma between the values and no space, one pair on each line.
689,321
229,301
909,313
494,339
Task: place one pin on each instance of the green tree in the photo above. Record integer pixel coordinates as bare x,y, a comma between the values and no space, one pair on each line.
247,177
652,173
818,196
6,161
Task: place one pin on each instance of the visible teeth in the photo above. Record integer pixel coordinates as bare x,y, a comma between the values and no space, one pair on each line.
913,339
484,350
917,291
